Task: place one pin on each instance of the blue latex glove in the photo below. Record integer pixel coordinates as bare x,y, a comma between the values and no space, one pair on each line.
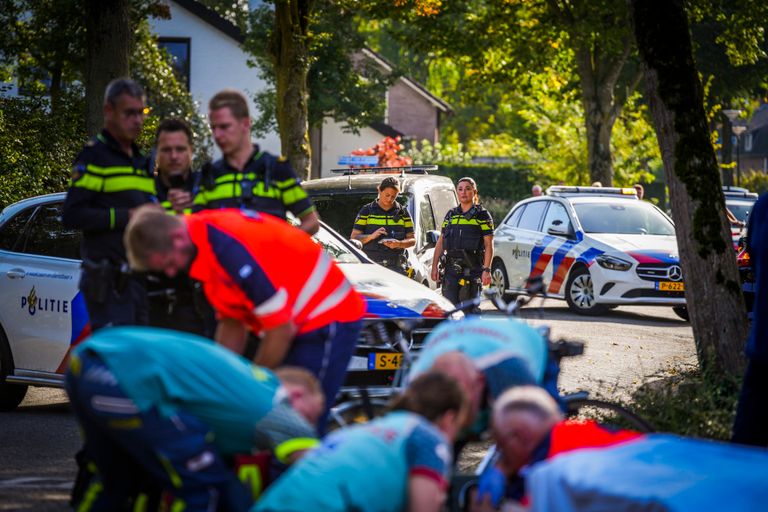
492,484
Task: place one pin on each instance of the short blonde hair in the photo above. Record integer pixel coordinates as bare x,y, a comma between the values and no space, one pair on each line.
299,377
232,99
527,398
149,232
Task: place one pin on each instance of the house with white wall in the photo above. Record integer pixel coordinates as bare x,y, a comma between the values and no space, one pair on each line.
208,48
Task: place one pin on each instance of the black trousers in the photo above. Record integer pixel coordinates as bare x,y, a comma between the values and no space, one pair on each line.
458,288
751,423
113,306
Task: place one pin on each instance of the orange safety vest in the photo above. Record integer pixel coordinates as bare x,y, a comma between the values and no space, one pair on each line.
573,435
260,270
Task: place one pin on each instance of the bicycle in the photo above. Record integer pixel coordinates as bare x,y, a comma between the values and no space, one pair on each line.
356,406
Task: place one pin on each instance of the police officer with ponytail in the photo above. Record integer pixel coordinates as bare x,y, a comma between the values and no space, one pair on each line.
110,178
385,228
466,243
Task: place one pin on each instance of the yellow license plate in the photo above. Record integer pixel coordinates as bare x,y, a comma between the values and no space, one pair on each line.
384,361
669,286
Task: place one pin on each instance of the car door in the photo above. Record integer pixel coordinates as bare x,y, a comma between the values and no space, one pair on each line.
41,309
504,241
527,244
557,241
423,251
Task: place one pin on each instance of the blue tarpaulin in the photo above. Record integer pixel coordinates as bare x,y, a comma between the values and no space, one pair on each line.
657,473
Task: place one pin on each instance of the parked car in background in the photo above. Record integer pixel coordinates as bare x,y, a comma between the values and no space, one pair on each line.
43,314
597,248
427,197
740,202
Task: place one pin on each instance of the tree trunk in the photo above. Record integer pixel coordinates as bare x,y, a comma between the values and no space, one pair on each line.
676,99
290,53
108,39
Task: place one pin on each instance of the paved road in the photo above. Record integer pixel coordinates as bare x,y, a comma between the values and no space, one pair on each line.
624,348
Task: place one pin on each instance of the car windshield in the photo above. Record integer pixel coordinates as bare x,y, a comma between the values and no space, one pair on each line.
337,249
740,210
623,217
339,210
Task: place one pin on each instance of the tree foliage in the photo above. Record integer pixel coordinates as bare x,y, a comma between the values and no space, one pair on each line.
42,130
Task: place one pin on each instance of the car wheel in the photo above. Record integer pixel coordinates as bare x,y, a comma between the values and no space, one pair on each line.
682,312
11,395
500,281
580,293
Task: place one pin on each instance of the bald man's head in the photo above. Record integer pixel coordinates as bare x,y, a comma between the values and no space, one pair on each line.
459,367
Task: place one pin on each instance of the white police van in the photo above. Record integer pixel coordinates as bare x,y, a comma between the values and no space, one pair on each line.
596,247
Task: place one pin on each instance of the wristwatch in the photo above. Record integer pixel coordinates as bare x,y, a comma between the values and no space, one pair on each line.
486,269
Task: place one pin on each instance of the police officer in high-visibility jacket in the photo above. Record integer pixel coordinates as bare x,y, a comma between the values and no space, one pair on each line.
262,274
247,177
110,178
177,303
466,242
385,228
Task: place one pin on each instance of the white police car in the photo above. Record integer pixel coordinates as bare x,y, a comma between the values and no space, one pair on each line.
596,248
43,314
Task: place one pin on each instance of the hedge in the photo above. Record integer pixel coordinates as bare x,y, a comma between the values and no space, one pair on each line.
500,186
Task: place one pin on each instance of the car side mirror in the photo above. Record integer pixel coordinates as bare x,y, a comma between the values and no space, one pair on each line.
357,243
560,231
432,236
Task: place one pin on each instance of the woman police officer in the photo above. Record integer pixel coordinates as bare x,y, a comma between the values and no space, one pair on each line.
385,228
467,242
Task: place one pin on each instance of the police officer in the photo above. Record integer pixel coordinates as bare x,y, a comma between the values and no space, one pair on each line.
385,228
466,241
246,177
177,302
110,178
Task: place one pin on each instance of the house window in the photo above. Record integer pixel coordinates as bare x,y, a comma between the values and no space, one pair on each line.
748,142
179,50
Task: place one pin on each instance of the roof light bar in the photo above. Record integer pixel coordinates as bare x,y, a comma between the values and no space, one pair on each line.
408,169
620,191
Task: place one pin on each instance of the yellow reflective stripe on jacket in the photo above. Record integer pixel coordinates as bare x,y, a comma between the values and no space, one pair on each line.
110,171
169,208
115,181
292,191
285,449
461,220
386,220
231,188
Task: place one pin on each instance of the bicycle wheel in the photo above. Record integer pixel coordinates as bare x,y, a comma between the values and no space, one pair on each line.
635,421
353,412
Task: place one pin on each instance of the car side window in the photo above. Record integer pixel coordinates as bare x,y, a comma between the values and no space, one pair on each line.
442,199
13,229
556,217
531,217
513,219
426,220
47,236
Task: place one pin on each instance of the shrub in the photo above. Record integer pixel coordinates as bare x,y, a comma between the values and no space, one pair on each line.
755,181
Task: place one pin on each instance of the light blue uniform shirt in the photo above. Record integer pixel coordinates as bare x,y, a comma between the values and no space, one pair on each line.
507,344
362,468
172,371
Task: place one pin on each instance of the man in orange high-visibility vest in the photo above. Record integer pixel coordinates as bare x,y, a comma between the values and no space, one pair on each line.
259,273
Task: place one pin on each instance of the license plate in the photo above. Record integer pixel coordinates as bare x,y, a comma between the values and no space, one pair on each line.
384,361
669,286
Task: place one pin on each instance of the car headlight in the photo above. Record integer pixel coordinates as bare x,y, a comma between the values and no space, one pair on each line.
613,263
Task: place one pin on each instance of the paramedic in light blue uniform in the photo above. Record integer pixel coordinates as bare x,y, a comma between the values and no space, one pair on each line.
397,462
176,407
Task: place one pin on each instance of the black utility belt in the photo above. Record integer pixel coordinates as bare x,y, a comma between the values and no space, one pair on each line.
460,255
